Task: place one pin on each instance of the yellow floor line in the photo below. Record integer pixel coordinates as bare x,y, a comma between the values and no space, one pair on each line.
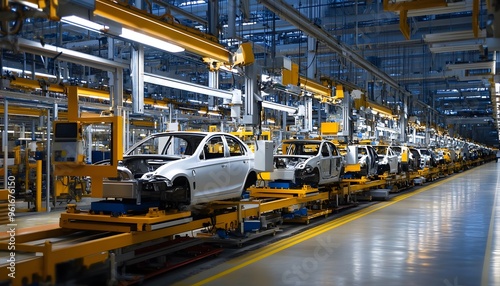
289,242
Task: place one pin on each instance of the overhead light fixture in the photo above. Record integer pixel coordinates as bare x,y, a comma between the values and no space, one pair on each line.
187,86
84,23
26,72
150,41
452,36
280,107
451,7
436,48
213,113
160,106
229,69
473,66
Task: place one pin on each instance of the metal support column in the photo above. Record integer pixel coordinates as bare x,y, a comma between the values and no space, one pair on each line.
253,101
213,82
231,19
89,143
213,17
346,117
403,120
5,143
48,164
126,123
308,102
137,67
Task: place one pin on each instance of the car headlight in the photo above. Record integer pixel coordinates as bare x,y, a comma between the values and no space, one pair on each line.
305,167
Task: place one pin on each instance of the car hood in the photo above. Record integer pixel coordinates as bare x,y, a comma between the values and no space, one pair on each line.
290,161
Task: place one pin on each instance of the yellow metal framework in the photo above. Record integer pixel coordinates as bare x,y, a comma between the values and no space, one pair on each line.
41,256
97,172
190,39
404,6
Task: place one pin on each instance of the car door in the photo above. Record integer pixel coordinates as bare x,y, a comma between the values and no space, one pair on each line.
393,161
238,163
325,162
373,160
336,160
211,176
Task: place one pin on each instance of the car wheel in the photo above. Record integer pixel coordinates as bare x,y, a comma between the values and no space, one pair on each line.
315,178
250,181
181,194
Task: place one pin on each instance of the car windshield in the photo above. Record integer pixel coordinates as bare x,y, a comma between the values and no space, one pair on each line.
381,149
299,148
168,144
424,152
396,150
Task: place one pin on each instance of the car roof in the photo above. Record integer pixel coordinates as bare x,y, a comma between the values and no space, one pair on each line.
310,141
200,133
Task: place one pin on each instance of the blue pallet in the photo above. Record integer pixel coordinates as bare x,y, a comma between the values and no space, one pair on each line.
251,225
302,212
281,185
119,208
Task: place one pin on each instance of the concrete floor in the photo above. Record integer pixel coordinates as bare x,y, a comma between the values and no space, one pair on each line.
447,233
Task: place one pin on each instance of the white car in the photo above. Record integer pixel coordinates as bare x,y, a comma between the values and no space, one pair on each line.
367,159
307,162
388,160
184,168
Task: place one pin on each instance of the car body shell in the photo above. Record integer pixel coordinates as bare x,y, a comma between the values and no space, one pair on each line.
367,159
189,168
311,162
427,158
388,160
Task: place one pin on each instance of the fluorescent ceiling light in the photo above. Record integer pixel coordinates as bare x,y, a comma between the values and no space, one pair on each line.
26,72
29,4
187,86
451,7
84,23
159,106
229,69
150,41
473,66
453,36
280,107
436,48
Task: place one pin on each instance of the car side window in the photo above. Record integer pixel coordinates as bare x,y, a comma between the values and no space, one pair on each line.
214,148
334,150
235,147
324,151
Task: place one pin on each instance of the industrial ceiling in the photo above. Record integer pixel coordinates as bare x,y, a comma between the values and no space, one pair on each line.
438,56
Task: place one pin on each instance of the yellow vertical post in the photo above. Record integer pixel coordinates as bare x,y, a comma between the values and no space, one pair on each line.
72,94
39,186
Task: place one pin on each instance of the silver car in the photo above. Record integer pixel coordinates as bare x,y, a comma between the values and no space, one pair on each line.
307,162
184,168
388,160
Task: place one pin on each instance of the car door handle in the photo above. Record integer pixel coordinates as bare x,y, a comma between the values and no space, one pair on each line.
223,165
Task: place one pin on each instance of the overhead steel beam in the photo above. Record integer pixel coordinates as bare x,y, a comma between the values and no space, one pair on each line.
413,5
181,12
67,55
149,24
469,120
294,17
